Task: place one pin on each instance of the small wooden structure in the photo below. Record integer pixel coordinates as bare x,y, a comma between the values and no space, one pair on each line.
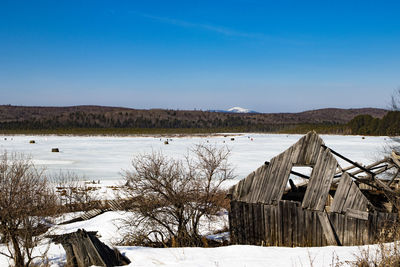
333,207
84,249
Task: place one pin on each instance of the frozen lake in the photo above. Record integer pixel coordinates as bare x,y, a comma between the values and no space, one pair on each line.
104,158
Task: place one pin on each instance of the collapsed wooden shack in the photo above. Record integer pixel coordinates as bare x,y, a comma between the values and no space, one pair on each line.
334,206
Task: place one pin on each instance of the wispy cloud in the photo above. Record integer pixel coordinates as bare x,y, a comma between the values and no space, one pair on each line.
207,27
222,30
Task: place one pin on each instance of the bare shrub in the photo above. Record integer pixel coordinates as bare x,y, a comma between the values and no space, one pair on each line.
26,201
73,193
382,254
170,197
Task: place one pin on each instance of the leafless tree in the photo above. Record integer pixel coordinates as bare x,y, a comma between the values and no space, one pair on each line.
395,100
170,196
26,200
395,106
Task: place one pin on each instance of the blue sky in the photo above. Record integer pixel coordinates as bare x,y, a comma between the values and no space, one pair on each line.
269,56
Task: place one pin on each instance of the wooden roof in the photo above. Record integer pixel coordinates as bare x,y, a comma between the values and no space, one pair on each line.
267,184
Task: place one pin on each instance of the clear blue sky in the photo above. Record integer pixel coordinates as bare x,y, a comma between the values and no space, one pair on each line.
269,56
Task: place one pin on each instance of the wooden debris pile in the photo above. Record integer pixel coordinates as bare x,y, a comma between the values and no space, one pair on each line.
84,249
334,206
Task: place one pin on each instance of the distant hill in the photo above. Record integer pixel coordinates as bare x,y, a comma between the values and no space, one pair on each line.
33,117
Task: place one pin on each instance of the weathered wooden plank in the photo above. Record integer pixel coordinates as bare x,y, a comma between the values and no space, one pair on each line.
257,184
346,240
262,224
267,228
297,149
300,226
325,184
315,180
247,188
274,223
250,223
316,149
341,193
320,177
280,178
395,158
310,188
318,231
285,223
232,221
289,224
312,149
236,222
339,227
244,215
295,224
284,174
362,215
365,231
320,180
351,230
268,180
279,215
351,198
308,147
301,160
361,202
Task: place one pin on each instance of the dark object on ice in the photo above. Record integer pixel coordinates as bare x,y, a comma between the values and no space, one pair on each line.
32,142
85,249
166,142
333,206
232,139
55,150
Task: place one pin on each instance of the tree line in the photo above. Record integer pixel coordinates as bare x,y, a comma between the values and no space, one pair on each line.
368,125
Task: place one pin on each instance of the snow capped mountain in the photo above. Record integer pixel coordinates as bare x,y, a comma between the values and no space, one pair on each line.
239,110
235,110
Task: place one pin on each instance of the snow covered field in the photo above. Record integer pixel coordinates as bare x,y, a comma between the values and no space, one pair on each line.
103,158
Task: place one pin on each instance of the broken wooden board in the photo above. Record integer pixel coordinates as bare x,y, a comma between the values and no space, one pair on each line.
84,249
328,229
320,181
349,196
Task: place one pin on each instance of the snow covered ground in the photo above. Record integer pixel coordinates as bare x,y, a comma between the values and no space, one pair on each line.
103,158
228,256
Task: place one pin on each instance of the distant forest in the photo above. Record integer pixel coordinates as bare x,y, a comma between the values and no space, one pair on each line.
114,120
368,125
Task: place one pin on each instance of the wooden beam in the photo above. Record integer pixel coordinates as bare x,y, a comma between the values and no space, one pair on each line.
346,169
370,166
349,160
395,158
394,177
358,214
294,172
